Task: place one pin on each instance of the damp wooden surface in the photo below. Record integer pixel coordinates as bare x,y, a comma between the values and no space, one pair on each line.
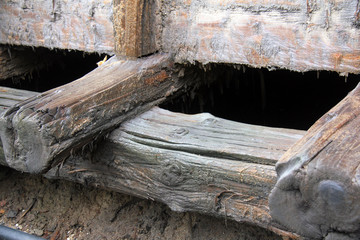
317,193
197,163
43,130
296,35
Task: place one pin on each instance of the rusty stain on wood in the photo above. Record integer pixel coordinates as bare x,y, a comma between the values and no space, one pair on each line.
134,27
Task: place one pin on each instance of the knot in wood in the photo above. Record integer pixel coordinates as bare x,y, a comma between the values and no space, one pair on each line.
209,122
179,132
172,175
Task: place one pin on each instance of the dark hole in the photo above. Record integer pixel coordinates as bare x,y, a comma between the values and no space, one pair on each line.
41,69
278,98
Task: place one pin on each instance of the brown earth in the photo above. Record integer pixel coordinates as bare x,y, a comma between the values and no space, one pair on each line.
57,209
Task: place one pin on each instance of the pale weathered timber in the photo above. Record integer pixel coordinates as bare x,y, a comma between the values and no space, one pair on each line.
298,35
84,25
134,27
44,130
318,189
197,163
11,96
8,98
168,157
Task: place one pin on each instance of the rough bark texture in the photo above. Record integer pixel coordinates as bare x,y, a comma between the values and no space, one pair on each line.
80,25
317,193
178,159
45,129
134,27
297,35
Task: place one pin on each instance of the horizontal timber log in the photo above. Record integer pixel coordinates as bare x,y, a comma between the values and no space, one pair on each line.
84,25
178,159
194,163
43,130
296,35
318,190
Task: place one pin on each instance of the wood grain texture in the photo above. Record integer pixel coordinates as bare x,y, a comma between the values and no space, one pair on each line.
296,35
80,25
189,162
134,27
177,159
317,193
8,98
43,130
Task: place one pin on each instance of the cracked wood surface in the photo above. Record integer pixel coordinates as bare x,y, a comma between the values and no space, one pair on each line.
197,163
317,192
296,35
79,25
43,130
178,159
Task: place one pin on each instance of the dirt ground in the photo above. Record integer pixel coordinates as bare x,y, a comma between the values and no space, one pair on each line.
55,209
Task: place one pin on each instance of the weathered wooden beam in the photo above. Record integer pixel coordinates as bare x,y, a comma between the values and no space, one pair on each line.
8,98
318,189
80,25
11,96
44,130
297,35
178,159
134,27
189,162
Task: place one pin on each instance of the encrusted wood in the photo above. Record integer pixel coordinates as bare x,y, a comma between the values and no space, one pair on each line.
317,192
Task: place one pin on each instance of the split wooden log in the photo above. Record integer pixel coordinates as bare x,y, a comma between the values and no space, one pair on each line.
318,189
44,130
194,163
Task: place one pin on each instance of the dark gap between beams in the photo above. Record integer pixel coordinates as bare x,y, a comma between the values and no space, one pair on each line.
49,68
278,98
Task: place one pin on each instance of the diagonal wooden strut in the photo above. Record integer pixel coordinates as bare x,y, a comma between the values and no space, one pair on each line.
43,130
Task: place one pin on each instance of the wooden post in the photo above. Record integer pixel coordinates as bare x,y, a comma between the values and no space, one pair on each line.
134,27
46,129
318,189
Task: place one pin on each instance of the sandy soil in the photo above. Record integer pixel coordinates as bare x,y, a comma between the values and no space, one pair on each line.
56,209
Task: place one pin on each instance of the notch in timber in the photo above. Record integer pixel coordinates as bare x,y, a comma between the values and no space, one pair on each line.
134,25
